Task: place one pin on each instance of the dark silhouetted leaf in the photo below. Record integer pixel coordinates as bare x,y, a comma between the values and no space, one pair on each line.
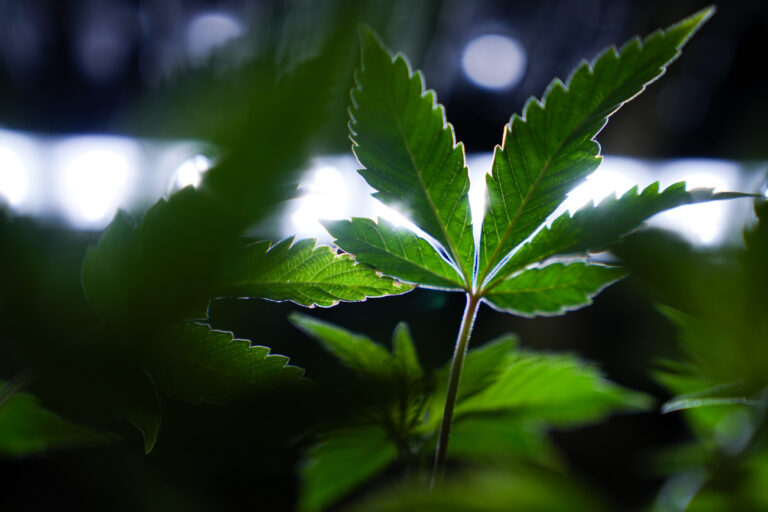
196,363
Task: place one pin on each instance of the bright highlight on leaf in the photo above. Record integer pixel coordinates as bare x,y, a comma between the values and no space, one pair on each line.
551,148
304,274
409,151
395,251
594,227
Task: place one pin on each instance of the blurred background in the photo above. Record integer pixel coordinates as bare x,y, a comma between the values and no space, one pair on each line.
90,122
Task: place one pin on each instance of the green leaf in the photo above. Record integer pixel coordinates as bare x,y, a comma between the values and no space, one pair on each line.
399,387
397,252
557,388
409,151
341,461
481,367
553,289
106,264
304,274
482,490
132,395
26,427
163,268
494,438
359,353
409,384
551,148
196,363
595,226
404,352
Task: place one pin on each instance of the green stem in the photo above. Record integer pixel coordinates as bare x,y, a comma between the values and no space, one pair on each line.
462,342
14,385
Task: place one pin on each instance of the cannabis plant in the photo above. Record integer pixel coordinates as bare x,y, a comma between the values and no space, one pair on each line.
521,264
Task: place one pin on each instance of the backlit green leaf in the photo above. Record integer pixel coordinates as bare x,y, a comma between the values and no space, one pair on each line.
551,148
359,353
494,438
595,226
404,352
304,274
557,388
481,368
409,151
553,289
397,252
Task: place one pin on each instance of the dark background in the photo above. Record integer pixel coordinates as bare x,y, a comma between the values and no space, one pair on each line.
84,67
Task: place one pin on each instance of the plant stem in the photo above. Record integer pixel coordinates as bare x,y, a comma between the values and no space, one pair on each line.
462,342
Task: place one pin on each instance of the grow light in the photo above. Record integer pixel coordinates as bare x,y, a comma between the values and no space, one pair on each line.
494,61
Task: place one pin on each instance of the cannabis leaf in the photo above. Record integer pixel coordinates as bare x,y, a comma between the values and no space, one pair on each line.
409,152
506,402
341,461
593,227
146,279
550,148
197,363
558,388
410,156
396,252
302,273
552,289
359,353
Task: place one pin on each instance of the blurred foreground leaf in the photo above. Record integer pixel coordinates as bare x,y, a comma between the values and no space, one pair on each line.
26,427
488,491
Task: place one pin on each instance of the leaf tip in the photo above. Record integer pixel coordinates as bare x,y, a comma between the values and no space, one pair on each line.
368,40
690,25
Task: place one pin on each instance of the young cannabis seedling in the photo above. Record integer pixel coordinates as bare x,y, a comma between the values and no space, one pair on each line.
410,156
507,400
